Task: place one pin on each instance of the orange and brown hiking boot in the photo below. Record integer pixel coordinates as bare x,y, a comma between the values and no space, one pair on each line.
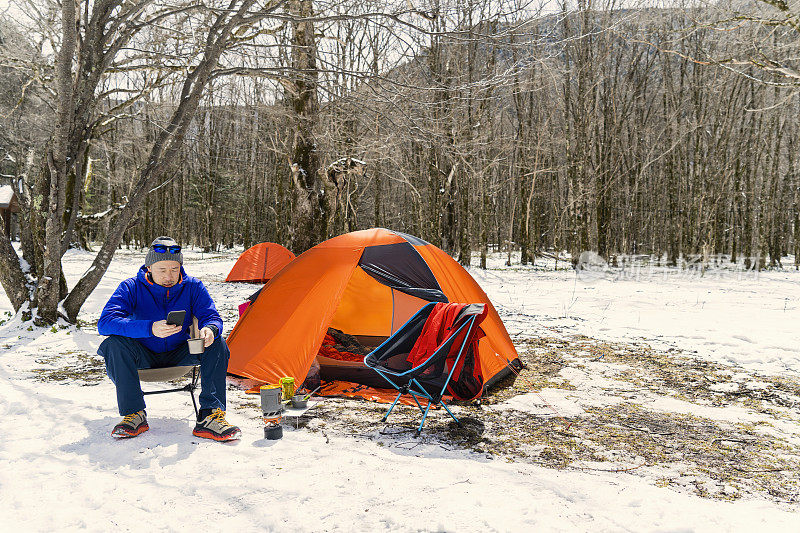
214,426
132,425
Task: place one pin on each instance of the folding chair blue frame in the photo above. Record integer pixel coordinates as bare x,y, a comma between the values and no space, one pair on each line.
430,378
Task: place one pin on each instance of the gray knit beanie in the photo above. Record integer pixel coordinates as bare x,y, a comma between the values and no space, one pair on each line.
155,257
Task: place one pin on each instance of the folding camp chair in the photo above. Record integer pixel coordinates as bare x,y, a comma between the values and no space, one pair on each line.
430,378
171,373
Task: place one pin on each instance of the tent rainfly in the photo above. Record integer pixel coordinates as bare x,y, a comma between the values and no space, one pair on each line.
259,263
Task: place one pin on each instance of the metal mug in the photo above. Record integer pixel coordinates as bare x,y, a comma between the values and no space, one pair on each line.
196,346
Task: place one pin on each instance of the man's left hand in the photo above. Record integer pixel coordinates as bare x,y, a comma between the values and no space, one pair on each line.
207,335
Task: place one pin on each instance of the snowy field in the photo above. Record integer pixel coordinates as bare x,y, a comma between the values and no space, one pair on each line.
730,315
60,469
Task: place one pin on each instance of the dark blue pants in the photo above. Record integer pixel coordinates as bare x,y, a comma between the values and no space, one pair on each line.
124,356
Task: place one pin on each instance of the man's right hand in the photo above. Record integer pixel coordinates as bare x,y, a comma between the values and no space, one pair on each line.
162,329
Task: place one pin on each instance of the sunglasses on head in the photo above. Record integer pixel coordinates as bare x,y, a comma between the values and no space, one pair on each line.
162,249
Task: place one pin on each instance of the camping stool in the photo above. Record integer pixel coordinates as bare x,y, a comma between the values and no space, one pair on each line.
170,373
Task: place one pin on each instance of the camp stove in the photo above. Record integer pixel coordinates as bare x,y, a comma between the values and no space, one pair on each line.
272,411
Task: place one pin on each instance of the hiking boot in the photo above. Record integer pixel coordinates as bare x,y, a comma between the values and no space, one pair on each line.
132,425
215,427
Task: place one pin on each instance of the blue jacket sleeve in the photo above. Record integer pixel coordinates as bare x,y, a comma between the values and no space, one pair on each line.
204,309
117,316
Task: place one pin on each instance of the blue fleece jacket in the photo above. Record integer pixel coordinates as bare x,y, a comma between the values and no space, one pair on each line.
138,302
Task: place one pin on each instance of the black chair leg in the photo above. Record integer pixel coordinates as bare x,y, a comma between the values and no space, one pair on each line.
193,387
194,402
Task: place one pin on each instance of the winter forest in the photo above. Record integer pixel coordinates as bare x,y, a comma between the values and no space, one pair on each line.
611,193
618,127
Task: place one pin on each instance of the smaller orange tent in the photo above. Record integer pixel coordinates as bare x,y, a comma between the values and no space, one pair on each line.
259,263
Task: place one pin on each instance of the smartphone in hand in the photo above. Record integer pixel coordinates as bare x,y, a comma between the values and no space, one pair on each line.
175,318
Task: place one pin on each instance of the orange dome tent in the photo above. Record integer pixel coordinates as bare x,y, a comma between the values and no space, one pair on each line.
259,263
366,284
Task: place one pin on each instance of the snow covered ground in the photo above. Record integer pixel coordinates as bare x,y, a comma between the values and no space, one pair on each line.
60,470
730,315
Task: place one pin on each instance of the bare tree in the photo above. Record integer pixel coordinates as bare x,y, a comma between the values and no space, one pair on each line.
90,48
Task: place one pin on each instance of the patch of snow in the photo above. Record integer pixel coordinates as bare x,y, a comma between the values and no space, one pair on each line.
724,387
757,385
6,195
547,403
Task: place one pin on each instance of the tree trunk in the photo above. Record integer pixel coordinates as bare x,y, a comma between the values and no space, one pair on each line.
310,213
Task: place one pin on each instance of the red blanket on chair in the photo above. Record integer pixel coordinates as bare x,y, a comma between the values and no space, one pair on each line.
466,383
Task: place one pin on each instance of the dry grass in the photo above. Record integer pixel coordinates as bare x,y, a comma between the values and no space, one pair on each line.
72,367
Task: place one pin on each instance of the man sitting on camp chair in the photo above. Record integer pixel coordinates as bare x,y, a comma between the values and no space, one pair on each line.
140,337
